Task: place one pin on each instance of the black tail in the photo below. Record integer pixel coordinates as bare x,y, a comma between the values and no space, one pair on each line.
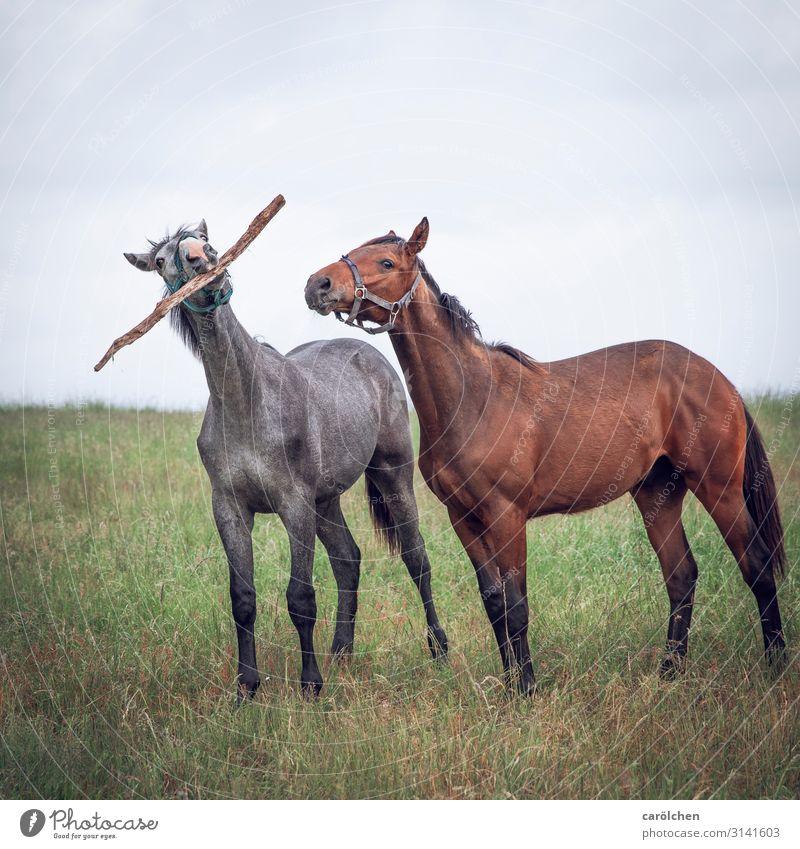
761,498
382,518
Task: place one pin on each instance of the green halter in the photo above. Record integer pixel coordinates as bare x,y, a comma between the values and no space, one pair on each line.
183,279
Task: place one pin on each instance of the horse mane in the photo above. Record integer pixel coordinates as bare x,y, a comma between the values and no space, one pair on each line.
182,325
459,318
155,246
179,318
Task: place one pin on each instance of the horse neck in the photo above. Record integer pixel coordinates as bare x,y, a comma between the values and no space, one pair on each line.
229,354
448,376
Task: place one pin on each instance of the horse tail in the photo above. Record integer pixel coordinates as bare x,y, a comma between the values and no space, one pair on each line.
761,499
382,520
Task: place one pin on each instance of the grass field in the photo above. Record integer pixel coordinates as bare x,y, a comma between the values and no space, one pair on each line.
117,645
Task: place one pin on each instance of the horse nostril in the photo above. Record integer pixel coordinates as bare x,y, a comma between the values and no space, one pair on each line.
320,295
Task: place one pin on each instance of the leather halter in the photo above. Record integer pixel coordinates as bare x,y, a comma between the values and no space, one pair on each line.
363,294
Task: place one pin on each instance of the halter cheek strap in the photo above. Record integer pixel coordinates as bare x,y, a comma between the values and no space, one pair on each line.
183,279
363,294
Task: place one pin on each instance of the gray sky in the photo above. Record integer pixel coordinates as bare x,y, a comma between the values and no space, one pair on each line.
593,173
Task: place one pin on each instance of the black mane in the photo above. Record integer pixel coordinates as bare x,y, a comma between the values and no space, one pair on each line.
155,247
178,318
460,320
182,325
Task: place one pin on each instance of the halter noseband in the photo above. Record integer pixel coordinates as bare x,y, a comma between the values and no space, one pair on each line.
363,294
183,279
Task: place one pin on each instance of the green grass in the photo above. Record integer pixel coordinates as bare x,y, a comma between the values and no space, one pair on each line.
117,645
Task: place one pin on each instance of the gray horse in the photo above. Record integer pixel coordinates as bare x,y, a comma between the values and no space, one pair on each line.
288,435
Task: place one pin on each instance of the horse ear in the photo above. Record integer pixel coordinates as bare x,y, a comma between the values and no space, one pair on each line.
418,238
143,262
202,227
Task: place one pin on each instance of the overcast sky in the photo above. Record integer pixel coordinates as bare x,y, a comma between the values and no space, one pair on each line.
593,173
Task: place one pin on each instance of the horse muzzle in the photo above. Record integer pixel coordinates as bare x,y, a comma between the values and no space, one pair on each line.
320,296
200,263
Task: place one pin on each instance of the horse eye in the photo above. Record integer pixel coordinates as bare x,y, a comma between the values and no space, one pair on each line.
160,262
387,263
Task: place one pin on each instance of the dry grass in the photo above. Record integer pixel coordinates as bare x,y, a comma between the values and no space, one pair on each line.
118,646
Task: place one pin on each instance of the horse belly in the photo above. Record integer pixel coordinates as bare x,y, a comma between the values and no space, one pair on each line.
333,479
592,475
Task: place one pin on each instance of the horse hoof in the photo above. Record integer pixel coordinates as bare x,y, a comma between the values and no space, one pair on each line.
341,651
437,643
246,691
311,690
776,656
670,668
520,683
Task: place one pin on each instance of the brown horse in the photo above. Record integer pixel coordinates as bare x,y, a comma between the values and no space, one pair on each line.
504,438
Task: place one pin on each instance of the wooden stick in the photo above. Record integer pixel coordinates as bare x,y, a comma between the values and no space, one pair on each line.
166,304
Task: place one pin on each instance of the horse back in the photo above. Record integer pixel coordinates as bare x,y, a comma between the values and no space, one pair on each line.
614,412
357,399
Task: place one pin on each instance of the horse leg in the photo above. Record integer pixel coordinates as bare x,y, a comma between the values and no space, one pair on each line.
397,490
235,526
660,500
499,554
345,560
728,509
300,524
